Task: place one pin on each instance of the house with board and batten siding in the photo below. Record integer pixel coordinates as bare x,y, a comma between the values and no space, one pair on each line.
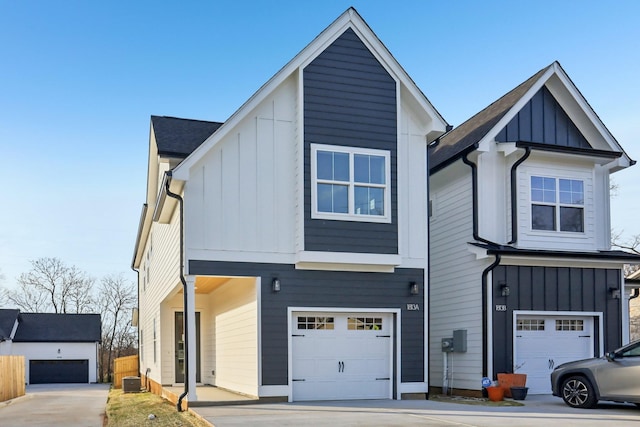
282,254
520,238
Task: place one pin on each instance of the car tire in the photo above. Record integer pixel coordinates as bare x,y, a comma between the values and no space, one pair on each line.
578,392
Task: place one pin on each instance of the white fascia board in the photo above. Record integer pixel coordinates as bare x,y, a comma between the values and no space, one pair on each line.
346,261
588,111
349,19
165,205
577,262
480,253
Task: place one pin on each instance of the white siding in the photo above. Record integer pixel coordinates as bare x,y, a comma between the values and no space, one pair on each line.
162,275
455,283
412,189
234,316
240,197
534,239
58,351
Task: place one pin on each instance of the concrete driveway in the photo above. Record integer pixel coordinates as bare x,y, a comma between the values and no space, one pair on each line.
47,405
538,411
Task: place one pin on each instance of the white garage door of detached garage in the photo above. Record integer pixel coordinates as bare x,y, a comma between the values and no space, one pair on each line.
338,356
543,342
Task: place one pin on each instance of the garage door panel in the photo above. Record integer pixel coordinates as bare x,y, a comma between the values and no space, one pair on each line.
546,341
58,371
349,360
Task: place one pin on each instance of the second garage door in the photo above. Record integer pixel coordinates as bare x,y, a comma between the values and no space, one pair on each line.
338,356
58,371
544,342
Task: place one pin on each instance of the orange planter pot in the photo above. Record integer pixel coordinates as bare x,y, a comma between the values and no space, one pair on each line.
506,381
496,394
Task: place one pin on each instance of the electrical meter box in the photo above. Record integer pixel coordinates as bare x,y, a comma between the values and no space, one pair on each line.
460,341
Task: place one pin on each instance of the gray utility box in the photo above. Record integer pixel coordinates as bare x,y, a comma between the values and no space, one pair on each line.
131,385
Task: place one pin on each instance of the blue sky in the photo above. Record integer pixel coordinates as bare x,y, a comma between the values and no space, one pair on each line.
79,80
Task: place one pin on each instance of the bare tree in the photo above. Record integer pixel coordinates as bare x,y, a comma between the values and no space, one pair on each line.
51,286
116,297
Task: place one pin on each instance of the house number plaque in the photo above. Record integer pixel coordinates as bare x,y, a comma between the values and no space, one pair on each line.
413,307
501,307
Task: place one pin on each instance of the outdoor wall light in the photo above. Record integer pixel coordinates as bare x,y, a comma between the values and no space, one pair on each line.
504,289
275,285
614,292
414,289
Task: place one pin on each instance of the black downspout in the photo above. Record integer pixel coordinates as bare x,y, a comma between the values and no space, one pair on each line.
514,197
485,315
474,197
184,292
635,294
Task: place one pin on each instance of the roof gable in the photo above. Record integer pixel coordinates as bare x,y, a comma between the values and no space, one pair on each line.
543,120
49,327
576,116
350,19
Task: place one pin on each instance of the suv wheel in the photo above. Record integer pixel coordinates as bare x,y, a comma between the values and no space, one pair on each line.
578,392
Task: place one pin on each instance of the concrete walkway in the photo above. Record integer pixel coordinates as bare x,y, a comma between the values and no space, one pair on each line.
538,411
47,405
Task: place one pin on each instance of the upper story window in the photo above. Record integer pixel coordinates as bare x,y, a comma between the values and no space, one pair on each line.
557,204
350,183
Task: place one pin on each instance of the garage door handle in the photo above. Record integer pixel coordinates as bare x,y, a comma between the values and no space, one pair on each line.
383,379
295,379
297,335
340,366
383,336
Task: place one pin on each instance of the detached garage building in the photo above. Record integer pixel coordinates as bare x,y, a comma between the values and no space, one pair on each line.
58,348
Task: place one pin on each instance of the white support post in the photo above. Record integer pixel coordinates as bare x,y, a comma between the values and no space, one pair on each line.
190,319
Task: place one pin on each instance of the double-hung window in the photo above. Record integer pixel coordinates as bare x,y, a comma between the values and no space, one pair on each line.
557,204
350,183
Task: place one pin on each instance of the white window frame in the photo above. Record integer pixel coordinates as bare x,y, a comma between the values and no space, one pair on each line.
557,204
351,215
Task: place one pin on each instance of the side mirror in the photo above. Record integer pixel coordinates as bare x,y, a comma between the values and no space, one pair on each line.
611,356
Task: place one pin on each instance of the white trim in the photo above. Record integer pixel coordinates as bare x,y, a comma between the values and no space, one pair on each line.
273,390
258,285
414,387
597,314
397,337
575,261
389,260
351,184
489,309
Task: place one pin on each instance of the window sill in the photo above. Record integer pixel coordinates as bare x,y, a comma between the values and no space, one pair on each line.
346,261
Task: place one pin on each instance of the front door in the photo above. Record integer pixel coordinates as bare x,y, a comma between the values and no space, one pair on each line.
179,347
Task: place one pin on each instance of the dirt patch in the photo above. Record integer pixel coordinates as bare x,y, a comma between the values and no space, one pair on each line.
481,401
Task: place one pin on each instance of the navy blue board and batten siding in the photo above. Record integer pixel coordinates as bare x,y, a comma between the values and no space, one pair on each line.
335,289
544,121
349,100
553,289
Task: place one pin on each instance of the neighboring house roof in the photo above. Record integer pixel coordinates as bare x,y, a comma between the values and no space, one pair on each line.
489,122
177,137
48,327
8,319
621,256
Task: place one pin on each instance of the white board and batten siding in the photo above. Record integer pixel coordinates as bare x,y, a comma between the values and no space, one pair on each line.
241,194
455,288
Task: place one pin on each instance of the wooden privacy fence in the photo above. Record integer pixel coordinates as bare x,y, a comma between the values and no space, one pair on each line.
12,381
124,367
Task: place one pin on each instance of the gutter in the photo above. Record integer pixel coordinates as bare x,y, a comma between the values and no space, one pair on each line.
485,315
184,291
635,294
474,197
514,196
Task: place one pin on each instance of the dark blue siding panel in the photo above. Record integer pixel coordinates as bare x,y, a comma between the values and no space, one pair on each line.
543,120
310,288
553,289
349,100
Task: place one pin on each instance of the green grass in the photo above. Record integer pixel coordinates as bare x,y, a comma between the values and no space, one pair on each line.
133,409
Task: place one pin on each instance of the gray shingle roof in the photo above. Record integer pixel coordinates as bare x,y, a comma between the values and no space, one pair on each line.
462,138
7,320
48,327
177,137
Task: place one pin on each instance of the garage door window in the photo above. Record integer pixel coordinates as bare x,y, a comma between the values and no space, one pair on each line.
313,322
530,325
569,325
364,323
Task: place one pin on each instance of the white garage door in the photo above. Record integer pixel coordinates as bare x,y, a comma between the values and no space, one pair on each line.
544,342
338,356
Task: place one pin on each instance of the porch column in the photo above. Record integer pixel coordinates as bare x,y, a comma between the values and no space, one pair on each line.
190,320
